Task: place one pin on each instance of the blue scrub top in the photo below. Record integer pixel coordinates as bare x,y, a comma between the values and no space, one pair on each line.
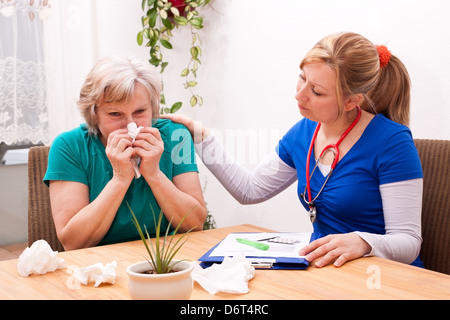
351,199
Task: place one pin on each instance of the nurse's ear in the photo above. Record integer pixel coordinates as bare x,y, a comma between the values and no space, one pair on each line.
353,101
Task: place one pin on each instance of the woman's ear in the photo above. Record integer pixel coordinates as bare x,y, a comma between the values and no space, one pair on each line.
352,101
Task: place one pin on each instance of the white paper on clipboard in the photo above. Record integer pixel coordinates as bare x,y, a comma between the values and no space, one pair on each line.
231,247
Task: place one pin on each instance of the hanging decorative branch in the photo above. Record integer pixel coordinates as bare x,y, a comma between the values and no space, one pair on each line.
160,18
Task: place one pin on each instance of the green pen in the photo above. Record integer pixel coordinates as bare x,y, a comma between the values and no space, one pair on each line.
257,245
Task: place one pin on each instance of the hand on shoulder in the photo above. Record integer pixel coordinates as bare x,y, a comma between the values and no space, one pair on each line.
198,131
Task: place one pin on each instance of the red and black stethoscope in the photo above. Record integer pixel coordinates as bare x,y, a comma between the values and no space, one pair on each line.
333,147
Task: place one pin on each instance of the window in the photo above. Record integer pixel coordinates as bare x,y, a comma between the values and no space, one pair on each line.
23,95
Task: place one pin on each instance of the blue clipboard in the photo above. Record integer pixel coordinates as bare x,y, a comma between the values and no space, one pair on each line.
272,263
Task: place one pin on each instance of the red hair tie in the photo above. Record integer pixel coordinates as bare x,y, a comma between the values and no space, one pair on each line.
384,54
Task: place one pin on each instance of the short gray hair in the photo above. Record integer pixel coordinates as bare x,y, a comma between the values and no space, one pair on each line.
112,79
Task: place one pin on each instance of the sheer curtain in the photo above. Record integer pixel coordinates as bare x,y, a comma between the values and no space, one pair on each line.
23,98
47,47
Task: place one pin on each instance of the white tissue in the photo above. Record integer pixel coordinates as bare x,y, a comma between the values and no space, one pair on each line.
39,259
133,131
231,276
98,273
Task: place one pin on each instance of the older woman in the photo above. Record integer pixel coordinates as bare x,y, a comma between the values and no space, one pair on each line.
90,171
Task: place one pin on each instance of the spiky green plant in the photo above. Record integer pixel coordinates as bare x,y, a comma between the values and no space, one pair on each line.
161,255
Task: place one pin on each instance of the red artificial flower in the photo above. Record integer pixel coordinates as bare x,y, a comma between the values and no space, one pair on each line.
179,4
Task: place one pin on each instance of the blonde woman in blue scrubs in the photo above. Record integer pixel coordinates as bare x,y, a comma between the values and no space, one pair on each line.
365,196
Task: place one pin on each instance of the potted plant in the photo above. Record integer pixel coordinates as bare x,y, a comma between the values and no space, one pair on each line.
160,18
161,277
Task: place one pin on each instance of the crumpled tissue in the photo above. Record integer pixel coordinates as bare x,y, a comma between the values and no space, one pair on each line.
231,276
39,259
133,131
98,272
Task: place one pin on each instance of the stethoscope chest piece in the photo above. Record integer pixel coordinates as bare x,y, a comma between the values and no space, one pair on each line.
312,214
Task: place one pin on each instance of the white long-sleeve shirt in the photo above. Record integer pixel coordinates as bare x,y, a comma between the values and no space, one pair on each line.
402,201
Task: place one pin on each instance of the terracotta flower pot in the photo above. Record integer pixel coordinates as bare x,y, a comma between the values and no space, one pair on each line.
176,285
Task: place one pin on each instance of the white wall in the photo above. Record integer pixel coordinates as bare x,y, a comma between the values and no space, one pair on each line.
251,52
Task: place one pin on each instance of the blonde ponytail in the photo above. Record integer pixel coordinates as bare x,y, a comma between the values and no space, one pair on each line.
391,95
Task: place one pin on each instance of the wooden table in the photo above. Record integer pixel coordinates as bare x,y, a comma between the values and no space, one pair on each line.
365,278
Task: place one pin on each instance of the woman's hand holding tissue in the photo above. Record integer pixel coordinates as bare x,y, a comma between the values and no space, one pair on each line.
119,151
143,145
149,147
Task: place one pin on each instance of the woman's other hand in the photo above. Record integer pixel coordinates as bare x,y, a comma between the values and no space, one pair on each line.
119,152
336,249
149,146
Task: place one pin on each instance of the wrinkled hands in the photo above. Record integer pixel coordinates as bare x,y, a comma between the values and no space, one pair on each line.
336,249
120,149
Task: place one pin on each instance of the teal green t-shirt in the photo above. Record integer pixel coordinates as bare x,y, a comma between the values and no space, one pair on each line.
77,156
